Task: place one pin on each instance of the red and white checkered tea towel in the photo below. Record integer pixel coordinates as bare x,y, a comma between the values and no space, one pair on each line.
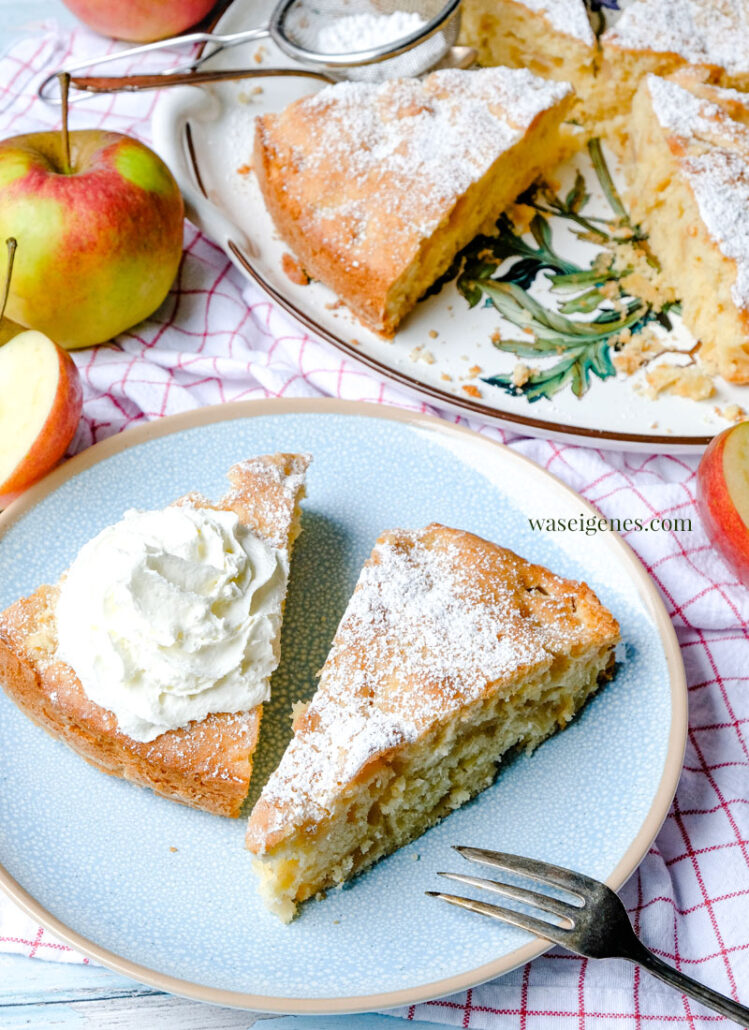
217,339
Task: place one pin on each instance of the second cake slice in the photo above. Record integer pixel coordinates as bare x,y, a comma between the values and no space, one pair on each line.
451,652
377,187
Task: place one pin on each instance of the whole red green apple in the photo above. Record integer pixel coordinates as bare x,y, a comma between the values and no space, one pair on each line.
140,21
40,405
99,235
723,496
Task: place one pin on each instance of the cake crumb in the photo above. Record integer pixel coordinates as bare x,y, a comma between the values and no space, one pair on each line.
172,848
521,216
681,381
246,97
259,56
521,373
433,333
447,378
471,390
244,169
731,413
496,336
636,350
293,270
641,276
420,353
475,370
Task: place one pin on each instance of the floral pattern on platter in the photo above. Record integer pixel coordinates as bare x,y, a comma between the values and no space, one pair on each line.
584,346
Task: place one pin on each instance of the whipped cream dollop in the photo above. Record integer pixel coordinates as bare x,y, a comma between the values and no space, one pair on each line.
170,615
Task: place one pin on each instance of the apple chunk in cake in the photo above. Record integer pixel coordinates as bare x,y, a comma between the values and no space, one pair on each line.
688,172
377,187
452,651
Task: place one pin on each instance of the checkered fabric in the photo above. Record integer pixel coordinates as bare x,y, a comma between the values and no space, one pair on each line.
217,339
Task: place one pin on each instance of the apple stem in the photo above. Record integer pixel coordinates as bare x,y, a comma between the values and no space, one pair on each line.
11,244
64,79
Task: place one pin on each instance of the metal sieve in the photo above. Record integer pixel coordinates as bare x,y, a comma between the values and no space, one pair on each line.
296,27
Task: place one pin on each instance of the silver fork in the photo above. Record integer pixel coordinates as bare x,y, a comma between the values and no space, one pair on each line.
595,924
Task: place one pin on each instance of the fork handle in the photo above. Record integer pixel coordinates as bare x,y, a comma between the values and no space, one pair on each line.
692,988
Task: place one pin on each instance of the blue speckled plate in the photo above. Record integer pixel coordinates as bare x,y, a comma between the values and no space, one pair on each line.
94,858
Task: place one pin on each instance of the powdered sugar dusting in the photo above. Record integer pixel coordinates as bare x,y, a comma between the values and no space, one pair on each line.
715,161
568,16
290,477
714,32
428,628
377,168
364,31
276,484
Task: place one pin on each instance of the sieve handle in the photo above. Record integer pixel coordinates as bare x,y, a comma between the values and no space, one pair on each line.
219,43
138,83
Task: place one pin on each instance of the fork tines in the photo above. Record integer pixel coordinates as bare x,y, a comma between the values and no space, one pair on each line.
574,884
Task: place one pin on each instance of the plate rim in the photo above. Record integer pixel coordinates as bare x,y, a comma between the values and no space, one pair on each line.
627,864
465,406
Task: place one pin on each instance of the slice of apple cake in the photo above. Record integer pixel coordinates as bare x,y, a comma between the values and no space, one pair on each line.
709,38
688,173
452,651
377,187
152,657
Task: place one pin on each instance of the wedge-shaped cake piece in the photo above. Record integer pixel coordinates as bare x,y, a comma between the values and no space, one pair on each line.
152,656
709,38
377,187
688,170
452,651
552,38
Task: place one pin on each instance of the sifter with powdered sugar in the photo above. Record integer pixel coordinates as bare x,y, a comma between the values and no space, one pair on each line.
368,40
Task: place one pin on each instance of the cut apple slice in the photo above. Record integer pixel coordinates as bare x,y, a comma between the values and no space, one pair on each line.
723,496
40,405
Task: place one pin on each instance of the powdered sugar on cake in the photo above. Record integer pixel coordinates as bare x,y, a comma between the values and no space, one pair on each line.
715,162
426,631
568,16
713,32
391,160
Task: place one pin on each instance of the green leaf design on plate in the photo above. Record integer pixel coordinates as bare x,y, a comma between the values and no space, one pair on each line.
584,345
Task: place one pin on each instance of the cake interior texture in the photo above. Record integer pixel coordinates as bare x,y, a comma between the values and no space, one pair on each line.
688,172
472,654
376,188
553,40
706,39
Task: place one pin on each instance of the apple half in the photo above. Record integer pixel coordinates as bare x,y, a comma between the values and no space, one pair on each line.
723,496
40,405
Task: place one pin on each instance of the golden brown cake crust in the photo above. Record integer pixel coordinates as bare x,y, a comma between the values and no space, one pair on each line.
359,179
500,618
206,764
